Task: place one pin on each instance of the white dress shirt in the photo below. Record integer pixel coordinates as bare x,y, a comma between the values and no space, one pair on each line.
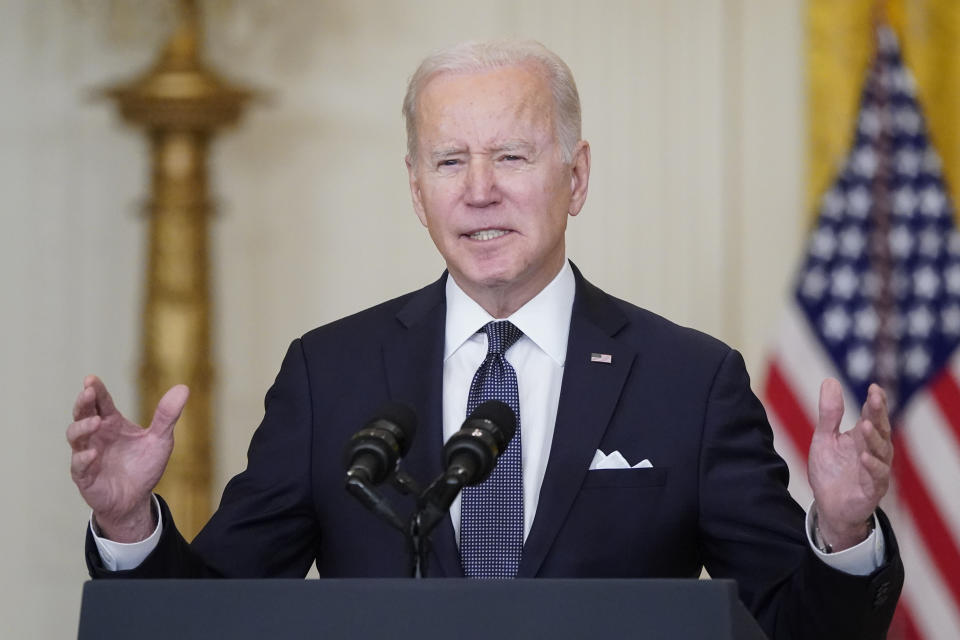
538,358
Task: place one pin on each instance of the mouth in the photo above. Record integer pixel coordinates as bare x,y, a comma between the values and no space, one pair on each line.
487,234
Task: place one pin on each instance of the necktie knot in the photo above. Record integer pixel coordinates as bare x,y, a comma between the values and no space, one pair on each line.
501,335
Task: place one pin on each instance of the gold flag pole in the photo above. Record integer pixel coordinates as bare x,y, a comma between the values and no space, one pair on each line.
180,102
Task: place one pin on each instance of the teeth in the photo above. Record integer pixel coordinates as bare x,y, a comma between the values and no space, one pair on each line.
488,234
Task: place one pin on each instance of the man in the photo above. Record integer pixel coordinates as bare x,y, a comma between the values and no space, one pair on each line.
496,164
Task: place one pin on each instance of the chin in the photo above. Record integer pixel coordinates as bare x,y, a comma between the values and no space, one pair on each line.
488,276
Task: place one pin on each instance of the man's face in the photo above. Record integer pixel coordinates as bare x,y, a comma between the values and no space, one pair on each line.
490,184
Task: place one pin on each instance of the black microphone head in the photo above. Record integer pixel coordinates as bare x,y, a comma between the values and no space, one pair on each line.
471,453
373,452
401,415
500,414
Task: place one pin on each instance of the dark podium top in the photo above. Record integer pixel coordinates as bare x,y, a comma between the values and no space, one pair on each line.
421,609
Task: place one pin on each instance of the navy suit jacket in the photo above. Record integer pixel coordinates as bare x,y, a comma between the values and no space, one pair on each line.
715,497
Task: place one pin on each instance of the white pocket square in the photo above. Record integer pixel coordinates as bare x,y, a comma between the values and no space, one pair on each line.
616,461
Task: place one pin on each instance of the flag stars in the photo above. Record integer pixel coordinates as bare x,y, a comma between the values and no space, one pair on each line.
814,283
836,323
852,242
950,320
823,243
870,122
953,243
932,202
860,363
905,201
859,202
901,242
907,120
908,162
904,81
920,321
865,162
926,282
931,242
844,282
833,204
952,275
866,323
916,362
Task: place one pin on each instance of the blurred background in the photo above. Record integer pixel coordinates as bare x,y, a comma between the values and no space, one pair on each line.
715,125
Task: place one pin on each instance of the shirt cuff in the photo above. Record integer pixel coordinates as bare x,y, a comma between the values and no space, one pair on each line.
120,556
859,560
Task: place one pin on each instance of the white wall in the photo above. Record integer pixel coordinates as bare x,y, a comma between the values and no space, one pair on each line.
693,109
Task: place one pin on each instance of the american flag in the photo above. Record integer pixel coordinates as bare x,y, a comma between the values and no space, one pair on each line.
877,298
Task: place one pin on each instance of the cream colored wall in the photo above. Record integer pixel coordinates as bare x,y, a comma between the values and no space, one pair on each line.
693,109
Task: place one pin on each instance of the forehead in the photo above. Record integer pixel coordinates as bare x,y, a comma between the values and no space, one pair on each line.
484,102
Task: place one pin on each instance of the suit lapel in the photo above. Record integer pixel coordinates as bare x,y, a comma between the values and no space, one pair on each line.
413,360
588,397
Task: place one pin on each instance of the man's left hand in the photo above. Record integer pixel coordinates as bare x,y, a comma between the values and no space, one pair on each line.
849,472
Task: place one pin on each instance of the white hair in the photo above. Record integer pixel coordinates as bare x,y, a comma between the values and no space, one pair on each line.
478,56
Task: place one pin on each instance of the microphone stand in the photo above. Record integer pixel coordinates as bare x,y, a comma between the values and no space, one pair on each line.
433,503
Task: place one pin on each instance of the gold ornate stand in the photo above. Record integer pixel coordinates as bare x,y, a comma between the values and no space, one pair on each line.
180,103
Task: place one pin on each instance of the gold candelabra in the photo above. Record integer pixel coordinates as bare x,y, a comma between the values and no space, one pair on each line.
180,102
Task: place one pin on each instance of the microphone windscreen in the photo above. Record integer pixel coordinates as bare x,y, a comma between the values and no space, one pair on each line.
403,416
499,414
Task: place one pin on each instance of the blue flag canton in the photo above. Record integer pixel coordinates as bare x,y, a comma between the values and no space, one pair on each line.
880,282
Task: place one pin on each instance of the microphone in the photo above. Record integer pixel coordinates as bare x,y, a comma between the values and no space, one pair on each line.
372,453
471,453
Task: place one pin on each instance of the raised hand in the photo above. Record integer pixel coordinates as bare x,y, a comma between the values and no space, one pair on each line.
849,472
116,463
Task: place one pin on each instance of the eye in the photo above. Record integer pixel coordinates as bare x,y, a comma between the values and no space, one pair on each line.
449,162
509,157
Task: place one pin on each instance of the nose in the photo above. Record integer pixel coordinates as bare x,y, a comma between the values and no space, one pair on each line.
481,183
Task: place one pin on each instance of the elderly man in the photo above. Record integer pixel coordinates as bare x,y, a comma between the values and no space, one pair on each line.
641,450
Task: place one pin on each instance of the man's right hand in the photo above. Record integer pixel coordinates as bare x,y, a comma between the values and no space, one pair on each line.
116,463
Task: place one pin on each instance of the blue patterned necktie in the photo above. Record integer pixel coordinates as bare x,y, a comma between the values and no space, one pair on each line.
491,513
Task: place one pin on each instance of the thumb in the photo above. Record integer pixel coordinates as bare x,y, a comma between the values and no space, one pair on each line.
169,408
831,406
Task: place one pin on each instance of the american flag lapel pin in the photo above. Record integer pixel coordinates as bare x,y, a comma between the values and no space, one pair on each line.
605,358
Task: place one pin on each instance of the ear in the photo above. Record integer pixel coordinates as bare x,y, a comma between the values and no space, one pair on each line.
415,195
579,176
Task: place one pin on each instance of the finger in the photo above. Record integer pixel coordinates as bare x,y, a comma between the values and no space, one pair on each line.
879,472
169,409
876,444
875,409
859,438
80,462
85,404
105,404
831,406
79,432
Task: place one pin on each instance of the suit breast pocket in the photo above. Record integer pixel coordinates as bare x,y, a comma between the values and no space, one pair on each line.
613,526
612,478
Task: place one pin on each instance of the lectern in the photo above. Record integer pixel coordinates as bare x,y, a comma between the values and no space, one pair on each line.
415,609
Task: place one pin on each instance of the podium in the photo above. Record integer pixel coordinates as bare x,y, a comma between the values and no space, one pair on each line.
415,609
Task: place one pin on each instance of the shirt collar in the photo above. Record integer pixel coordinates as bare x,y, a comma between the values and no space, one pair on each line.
545,319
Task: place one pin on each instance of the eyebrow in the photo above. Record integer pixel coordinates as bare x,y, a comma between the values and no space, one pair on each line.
506,147
513,145
446,152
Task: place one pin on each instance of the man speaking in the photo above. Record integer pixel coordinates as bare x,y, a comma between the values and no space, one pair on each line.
640,450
